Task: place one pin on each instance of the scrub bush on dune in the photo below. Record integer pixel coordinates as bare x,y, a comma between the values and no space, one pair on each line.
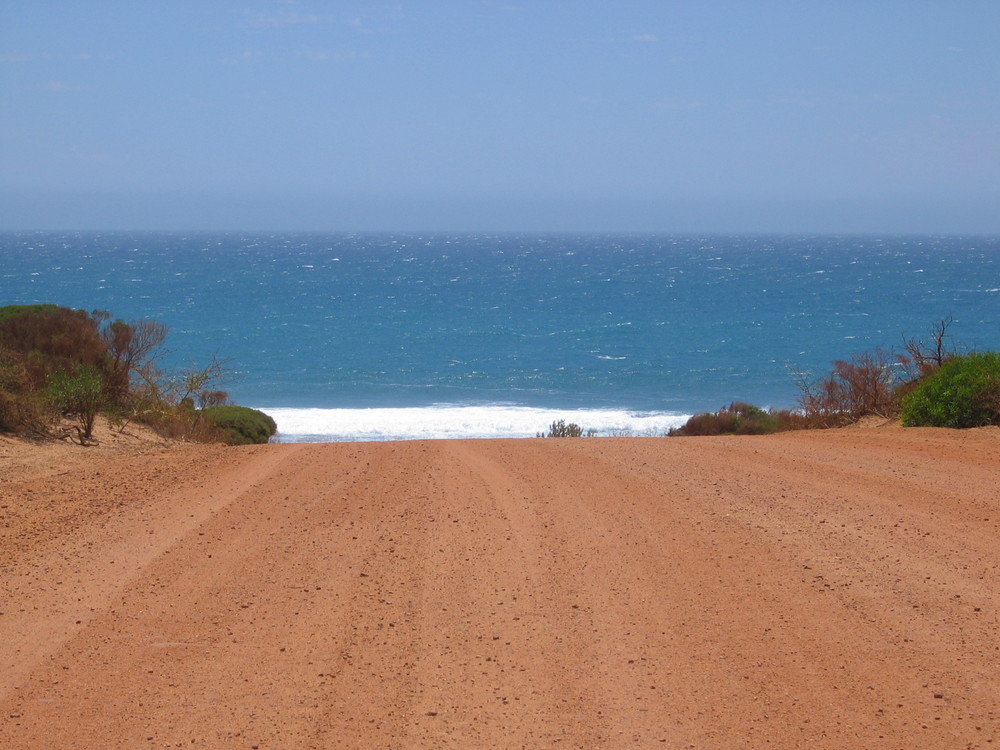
59,363
240,425
21,409
737,419
874,382
963,392
862,386
559,429
78,395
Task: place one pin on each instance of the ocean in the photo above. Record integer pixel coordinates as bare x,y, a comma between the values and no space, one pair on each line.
398,336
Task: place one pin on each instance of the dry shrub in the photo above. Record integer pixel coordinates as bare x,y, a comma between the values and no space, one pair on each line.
865,385
208,399
53,339
183,423
921,358
559,429
21,409
739,419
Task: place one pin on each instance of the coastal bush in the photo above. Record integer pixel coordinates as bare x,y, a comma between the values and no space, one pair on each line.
922,358
51,339
865,385
179,423
78,395
875,382
738,419
560,429
963,392
57,361
239,424
133,348
212,398
21,410
11,311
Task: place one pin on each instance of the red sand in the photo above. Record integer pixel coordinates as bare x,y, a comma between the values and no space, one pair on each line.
834,589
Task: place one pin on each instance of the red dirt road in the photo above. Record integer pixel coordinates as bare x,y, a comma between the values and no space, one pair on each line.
833,589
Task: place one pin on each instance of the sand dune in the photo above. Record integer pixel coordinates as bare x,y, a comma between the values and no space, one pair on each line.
833,589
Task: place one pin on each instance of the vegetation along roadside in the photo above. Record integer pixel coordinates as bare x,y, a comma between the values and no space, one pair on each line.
60,368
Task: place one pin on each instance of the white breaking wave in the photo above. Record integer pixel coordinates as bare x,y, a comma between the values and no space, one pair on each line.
454,421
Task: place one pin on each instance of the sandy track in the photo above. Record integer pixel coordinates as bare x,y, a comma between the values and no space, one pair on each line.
825,590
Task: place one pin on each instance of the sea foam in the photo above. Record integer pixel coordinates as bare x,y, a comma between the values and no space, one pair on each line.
456,421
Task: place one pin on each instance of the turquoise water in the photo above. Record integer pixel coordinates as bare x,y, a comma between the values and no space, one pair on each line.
347,336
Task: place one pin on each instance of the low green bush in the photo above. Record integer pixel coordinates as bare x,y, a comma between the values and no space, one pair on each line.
239,424
963,392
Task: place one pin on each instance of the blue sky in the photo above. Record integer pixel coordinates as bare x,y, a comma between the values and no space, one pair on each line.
631,115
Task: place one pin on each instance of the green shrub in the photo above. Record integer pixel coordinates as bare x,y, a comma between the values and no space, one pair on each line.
963,392
79,395
240,424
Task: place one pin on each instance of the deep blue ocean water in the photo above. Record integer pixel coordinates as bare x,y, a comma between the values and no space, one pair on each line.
369,336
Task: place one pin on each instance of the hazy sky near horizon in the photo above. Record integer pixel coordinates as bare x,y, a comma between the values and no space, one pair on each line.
586,115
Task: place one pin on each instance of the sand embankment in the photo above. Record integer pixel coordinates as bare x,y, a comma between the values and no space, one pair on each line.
831,589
